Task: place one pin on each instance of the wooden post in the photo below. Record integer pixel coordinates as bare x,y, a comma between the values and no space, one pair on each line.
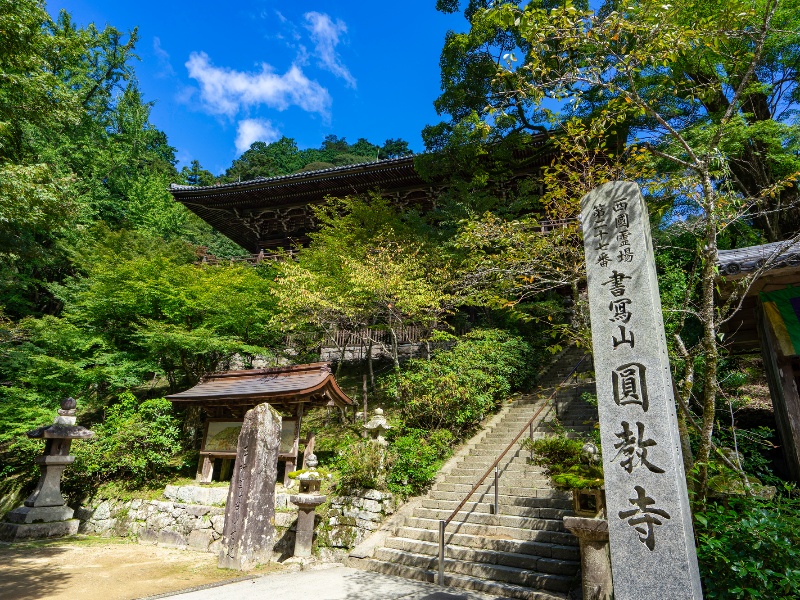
205,469
364,392
309,449
226,469
783,390
291,463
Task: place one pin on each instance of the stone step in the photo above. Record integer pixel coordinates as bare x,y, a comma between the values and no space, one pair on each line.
541,512
523,478
493,588
524,551
514,468
493,452
507,464
508,488
495,531
500,573
499,520
529,561
548,550
487,491
482,466
556,499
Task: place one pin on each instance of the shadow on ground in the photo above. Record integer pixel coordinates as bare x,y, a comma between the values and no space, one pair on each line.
28,573
365,586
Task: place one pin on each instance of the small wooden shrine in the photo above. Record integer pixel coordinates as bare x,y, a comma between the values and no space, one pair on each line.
769,322
226,397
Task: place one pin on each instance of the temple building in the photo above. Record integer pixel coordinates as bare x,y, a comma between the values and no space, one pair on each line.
265,214
768,322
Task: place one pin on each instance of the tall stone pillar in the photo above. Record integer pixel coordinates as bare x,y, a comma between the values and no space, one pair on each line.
649,520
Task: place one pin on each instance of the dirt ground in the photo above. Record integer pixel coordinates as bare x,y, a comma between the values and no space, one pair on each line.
102,569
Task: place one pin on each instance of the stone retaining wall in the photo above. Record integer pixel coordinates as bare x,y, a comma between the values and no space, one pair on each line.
192,517
348,520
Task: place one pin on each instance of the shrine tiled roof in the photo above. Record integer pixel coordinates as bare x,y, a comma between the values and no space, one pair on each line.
746,260
305,383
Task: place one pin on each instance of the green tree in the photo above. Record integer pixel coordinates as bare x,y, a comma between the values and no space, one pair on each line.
368,268
662,93
195,174
394,148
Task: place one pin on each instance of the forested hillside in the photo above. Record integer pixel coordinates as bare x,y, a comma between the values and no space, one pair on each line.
284,157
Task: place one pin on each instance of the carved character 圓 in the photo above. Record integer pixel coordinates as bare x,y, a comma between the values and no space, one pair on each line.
629,385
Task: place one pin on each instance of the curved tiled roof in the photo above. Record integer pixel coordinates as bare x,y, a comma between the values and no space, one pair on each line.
306,383
344,169
752,258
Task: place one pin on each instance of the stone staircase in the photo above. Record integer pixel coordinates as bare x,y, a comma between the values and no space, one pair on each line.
524,550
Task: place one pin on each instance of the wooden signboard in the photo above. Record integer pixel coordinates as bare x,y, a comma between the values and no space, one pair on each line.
221,436
290,437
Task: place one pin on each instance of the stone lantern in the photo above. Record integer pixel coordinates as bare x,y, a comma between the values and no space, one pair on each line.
307,502
45,513
377,426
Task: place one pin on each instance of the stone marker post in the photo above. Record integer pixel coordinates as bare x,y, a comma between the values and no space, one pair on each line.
247,537
649,521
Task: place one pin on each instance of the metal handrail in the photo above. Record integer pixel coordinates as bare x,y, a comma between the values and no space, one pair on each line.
529,425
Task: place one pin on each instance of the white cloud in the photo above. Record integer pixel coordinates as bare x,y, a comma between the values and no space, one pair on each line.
325,33
254,130
165,67
226,91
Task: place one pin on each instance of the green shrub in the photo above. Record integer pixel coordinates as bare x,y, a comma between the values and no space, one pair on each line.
561,458
459,387
750,549
138,443
416,458
363,465
753,445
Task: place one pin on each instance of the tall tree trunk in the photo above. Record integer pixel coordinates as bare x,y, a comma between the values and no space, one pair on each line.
370,365
395,348
684,392
366,403
709,338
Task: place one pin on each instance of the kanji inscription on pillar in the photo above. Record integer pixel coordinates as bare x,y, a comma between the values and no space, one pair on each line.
649,522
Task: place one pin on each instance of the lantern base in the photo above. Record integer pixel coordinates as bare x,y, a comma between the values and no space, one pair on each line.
19,532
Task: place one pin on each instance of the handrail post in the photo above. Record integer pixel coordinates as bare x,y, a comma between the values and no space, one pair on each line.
496,491
531,437
442,525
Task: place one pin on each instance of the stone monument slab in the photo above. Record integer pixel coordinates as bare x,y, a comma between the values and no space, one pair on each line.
649,520
247,537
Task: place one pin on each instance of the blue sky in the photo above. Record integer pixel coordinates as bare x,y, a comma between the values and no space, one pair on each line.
225,74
